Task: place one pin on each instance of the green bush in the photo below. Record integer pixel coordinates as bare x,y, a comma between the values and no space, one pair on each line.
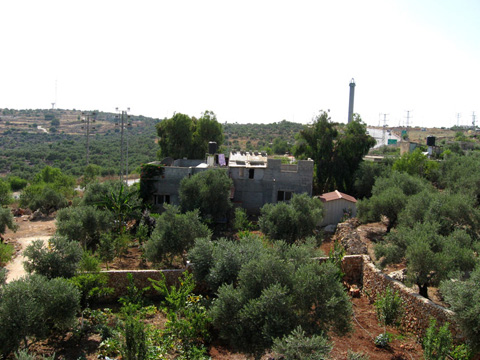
241,222
219,262
135,340
47,201
60,258
209,192
437,342
351,355
5,193
84,224
388,307
382,340
174,234
91,286
273,295
298,346
291,221
188,321
6,220
463,299
17,183
3,276
6,252
25,355
35,307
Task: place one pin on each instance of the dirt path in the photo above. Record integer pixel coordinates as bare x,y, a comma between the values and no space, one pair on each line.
27,232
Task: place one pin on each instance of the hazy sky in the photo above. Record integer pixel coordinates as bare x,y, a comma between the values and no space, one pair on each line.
248,61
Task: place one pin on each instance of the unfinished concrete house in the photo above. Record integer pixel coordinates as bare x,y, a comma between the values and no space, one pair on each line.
257,180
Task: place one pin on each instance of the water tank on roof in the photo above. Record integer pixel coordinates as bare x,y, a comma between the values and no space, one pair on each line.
212,147
430,140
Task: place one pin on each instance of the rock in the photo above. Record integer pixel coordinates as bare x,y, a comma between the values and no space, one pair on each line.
399,275
354,291
36,215
330,228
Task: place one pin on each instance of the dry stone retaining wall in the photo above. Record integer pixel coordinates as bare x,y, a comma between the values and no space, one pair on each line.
358,270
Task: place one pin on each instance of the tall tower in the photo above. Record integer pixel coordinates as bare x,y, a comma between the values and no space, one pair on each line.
350,102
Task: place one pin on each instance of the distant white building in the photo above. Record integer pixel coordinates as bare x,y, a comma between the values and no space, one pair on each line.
337,206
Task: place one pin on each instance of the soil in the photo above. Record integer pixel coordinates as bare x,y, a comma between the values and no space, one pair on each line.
27,232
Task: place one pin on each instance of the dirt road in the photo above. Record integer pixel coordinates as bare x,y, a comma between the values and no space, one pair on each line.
27,232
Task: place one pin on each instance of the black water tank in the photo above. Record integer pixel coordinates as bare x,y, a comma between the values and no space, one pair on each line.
430,140
212,147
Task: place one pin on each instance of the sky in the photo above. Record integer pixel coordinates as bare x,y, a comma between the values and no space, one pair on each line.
248,61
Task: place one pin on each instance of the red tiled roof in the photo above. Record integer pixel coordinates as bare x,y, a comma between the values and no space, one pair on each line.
335,195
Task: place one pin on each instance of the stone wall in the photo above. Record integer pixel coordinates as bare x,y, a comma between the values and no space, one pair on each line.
118,281
417,309
358,270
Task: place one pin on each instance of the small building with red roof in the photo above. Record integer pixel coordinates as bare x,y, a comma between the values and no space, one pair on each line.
337,207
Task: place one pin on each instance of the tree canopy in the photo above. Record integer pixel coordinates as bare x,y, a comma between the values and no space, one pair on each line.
182,136
209,192
337,152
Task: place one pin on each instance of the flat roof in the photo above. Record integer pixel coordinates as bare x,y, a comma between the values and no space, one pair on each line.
247,159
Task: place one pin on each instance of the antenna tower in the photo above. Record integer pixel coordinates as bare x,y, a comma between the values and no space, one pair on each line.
408,118
384,128
473,120
458,119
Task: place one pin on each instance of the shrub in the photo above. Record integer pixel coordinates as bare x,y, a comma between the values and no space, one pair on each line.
25,355
3,276
84,224
463,299
351,355
219,262
241,222
6,220
59,259
188,321
209,192
47,201
174,234
35,306
6,252
5,193
437,342
17,183
273,295
388,307
298,346
135,340
91,286
382,340
291,221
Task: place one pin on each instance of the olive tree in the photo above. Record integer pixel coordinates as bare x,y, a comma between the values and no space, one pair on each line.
463,299
174,234
60,258
34,307
84,224
291,221
209,192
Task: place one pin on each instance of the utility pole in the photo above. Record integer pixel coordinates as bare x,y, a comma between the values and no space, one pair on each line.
473,120
458,120
86,116
124,117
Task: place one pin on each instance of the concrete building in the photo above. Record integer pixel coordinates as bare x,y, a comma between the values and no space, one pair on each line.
337,205
257,179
